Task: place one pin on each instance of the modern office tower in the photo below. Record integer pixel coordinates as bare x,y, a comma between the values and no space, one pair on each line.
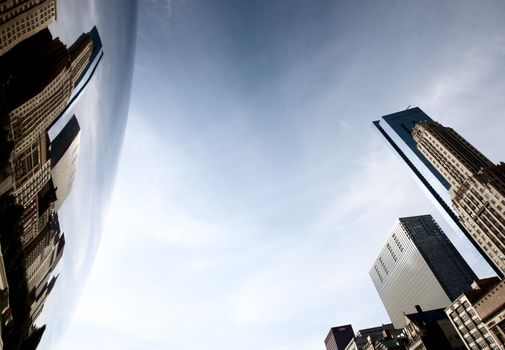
477,186
397,129
20,19
431,330
339,337
64,155
418,265
479,315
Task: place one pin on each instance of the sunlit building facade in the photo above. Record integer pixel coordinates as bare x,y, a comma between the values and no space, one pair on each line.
477,188
479,315
418,265
20,19
64,158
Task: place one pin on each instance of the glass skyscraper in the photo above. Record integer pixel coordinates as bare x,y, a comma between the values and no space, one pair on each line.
418,265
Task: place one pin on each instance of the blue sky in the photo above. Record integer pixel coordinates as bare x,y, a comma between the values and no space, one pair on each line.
253,193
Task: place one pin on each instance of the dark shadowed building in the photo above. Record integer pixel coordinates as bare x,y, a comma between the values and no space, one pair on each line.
431,330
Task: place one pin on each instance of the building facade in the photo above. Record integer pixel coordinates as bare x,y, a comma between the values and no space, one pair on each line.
397,129
64,158
477,188
418,265
44,74
379,338
20,19
479,315
339,337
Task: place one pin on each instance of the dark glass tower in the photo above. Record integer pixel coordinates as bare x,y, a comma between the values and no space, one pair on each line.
397,129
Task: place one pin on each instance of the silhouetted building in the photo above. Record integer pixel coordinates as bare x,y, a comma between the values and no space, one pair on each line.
431,330
479,315
477,186
20,19
339,337
418,265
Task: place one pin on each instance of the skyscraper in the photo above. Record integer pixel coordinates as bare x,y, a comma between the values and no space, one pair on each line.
418,265
64,155
397,129
339,337
477,186
20,19
46,78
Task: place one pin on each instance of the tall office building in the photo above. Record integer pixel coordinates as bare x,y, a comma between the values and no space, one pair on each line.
382,337
418,265
46,78
64,155
20,19
43,253
397,129
339,337
477,186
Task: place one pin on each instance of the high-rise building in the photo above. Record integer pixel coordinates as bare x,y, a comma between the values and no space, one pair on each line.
339,337
418,265
397,129
46,78
479,315
64,155
477,186
20,19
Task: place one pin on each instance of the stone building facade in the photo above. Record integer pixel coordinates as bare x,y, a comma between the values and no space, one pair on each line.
20,19
477,186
